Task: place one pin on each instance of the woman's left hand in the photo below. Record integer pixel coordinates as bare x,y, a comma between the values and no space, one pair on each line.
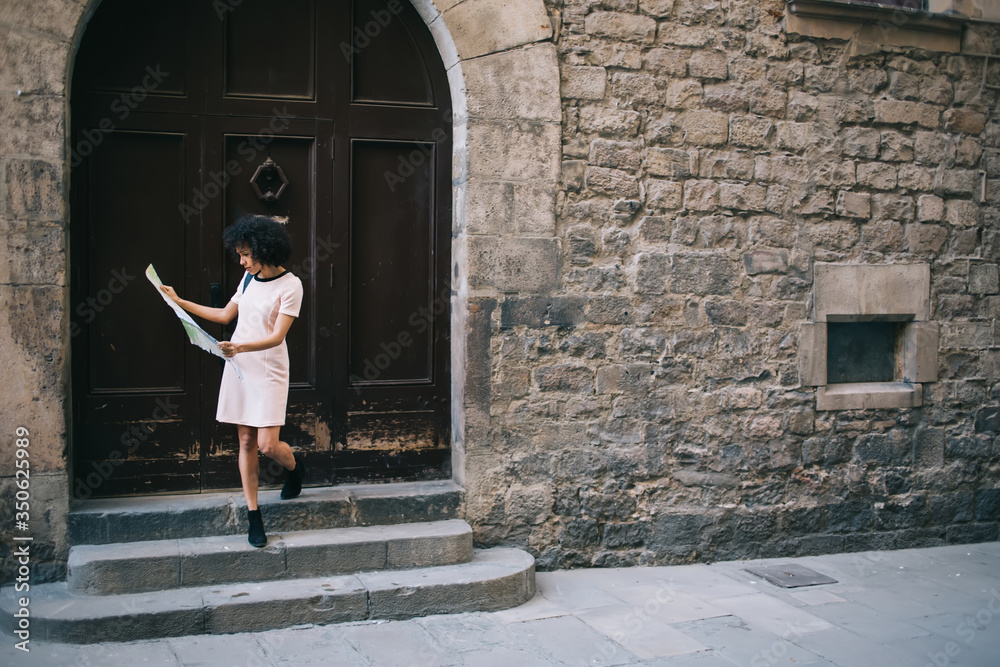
228,348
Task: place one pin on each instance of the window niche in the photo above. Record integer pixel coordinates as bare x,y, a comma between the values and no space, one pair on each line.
870,344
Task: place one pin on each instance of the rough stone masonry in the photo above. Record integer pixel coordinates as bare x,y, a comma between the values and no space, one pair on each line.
648,409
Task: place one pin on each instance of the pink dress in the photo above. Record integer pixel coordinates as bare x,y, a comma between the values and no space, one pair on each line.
261,397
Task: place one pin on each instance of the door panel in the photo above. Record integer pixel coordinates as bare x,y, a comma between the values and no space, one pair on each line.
383,42
158,180
270,50
392,274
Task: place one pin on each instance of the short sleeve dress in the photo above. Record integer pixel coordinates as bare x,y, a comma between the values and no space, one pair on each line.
260,398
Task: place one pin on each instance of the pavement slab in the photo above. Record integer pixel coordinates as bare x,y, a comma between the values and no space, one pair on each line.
924,614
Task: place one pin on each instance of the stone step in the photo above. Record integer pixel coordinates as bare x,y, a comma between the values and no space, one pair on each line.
156,565
115,520
494,579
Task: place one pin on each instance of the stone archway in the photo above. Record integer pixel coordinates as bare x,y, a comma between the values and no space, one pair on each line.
504,78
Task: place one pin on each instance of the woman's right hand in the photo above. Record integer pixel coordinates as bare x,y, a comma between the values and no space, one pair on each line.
169,291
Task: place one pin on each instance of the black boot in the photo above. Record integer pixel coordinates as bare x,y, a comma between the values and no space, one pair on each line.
256,535
293,480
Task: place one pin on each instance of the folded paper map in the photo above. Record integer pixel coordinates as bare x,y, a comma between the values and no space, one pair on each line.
196,334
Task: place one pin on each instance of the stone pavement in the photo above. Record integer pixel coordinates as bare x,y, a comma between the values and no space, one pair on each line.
936,606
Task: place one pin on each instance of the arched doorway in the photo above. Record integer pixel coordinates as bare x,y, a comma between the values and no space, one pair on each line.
174,107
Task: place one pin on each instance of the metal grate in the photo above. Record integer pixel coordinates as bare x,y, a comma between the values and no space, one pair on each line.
790,576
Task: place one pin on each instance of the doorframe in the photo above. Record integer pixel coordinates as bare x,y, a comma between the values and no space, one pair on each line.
518,63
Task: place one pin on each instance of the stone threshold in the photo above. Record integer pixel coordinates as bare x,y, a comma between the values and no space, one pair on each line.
166,517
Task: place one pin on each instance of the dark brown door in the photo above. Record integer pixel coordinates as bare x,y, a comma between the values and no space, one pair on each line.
174,108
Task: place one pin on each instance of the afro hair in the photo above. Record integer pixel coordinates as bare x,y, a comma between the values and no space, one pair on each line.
266,238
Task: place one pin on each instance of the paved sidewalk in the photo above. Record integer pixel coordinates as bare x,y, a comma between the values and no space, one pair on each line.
938,606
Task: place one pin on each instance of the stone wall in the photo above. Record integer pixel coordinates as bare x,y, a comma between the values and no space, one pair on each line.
645,402
35,45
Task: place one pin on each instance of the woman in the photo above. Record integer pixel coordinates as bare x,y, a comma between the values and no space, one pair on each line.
267,301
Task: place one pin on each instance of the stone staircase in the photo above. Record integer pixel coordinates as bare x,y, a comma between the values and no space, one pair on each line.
144,568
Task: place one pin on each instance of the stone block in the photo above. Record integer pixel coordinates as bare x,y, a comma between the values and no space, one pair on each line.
768,101
726,97
684,94
743,197
34,254
984,279
987,504
705,128
609,310
513,264
912,177
959,182
964,121
701,274
573,175
872,289
514,84
536,312
962,213
924,239
667,61
513,151
33,65
671,163
892,207
812,354
663,195
658,8
624,379
28,124
620,26
615,154
765,261
930,208
861,142
33,190
726,313
854,204
617,54
564,377
582,244
609,122
632,88
612,182
32,340
988,419
708,65
895,147
736,165
749,131
512,24
582,82
651,273
701,195
896,112
877,175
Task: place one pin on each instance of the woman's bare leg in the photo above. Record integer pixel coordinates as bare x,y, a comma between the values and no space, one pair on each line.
270,446
249,465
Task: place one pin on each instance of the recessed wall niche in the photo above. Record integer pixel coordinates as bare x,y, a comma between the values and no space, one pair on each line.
871,342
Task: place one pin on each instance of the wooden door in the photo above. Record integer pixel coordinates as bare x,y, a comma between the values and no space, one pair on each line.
174,107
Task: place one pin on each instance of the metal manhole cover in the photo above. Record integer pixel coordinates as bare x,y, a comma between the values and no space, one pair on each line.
790,576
